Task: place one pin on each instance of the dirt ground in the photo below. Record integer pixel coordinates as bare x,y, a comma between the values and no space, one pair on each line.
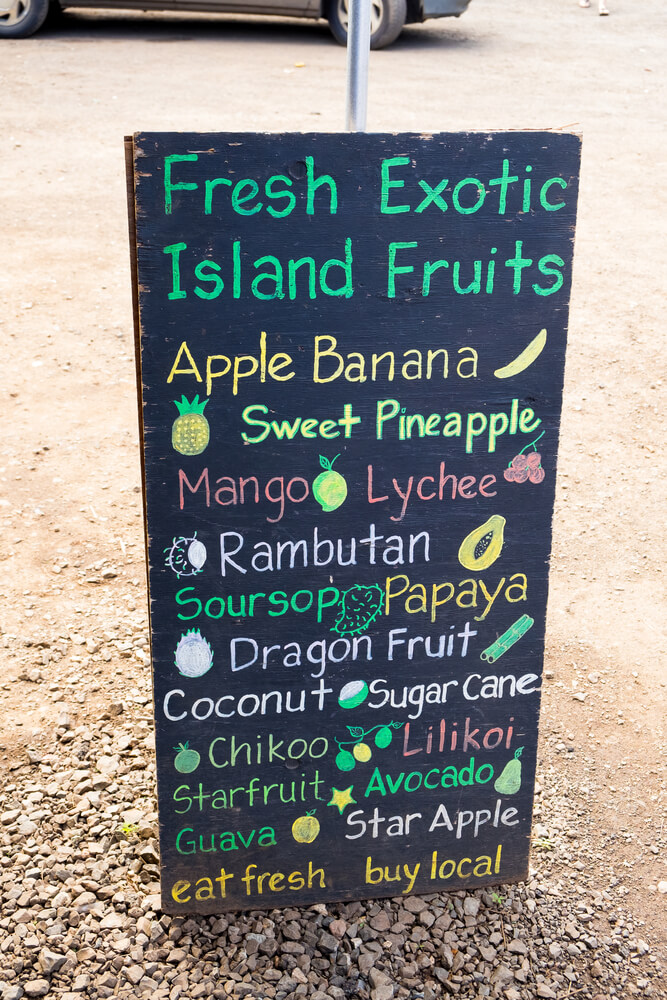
72,562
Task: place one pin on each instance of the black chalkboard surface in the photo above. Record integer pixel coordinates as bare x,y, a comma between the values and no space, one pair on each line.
351,353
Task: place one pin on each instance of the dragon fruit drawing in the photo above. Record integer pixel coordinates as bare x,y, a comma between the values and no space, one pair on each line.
193,655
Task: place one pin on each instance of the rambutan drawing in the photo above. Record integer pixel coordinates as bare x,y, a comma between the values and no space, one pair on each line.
186,556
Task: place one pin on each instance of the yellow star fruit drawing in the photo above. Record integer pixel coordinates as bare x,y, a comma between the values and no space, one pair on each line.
342,798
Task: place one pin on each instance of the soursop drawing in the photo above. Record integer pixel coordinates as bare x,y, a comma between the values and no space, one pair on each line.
358,608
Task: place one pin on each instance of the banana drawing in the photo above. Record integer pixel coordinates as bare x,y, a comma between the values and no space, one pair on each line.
526,358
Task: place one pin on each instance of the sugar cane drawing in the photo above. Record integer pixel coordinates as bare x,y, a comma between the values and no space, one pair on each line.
507,639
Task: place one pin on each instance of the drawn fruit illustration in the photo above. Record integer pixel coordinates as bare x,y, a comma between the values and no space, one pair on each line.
306,828
525,359
508,781
193,655
186,760
358,608
362,752
197,553
345,761
519,468
481,547
186,556
523,467
342,797
353,694
190,432
383,738
329,489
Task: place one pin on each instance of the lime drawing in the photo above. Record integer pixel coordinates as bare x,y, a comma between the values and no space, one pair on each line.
329,489
190,432
186,760
193,655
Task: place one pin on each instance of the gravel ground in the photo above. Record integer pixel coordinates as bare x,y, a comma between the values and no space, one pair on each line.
79,880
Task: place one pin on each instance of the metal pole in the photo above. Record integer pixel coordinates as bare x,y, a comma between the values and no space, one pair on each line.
358,48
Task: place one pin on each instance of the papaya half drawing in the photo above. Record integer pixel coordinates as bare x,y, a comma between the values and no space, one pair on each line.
525,359
482,546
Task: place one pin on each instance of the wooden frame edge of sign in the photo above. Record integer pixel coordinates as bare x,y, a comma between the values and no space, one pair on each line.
132,236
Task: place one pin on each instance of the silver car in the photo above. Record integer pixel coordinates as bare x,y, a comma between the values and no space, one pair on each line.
20,18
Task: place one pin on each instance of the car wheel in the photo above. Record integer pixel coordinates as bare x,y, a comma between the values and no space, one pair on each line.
387,21
20,18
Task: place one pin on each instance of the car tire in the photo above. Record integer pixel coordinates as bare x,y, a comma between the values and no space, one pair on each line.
21,18
387,21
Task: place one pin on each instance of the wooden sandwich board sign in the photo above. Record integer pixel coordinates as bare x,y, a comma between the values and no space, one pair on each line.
351,353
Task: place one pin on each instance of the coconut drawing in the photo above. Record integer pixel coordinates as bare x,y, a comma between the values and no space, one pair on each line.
353,694
193,655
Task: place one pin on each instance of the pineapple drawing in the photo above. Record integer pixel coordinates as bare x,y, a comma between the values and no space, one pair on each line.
190,433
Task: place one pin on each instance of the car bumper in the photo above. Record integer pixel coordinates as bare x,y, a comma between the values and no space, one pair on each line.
444,8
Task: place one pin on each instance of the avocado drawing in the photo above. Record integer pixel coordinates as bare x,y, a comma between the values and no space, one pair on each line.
509,780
